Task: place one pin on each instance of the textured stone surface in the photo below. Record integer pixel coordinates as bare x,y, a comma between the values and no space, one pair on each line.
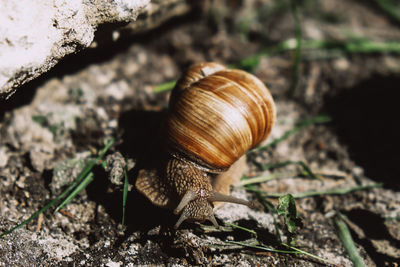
35,35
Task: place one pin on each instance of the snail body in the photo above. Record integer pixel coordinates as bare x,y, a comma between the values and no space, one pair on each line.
215,116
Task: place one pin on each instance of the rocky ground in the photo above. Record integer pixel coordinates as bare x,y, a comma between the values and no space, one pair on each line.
51,128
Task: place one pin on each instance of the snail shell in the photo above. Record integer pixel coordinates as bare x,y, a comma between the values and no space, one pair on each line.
215,115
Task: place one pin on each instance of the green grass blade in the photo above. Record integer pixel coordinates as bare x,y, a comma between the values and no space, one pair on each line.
88,168
82,175
389,8
293,250
353,45
105,149
268,206
85,182
34,216
124,197
260,179
297,55
308,254
391,218
350,46
249,64
164,87
340,191
299,126
262,247
347,240
241,228
306,169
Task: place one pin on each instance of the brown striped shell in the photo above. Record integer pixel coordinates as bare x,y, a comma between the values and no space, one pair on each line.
217,114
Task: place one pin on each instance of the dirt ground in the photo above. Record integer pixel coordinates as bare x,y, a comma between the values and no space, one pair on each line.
51,127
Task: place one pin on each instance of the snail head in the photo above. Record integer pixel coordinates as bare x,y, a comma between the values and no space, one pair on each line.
198,206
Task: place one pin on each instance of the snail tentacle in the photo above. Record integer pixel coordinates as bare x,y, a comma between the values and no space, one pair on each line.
214,221
192,205
189,196
215,196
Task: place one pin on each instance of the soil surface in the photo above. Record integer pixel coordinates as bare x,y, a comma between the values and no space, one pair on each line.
54,126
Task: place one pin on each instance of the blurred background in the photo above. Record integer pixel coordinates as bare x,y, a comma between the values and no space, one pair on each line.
333,68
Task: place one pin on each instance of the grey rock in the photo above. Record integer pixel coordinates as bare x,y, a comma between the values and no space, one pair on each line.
35,35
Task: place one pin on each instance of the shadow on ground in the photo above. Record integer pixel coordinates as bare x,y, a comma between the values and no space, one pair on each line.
139,135
374,228
366,118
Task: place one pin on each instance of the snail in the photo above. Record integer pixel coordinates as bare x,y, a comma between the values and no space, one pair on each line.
215,116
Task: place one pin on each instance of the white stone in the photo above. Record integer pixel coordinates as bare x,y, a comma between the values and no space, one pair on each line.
36,34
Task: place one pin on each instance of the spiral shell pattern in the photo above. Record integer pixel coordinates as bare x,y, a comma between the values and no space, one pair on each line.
217,114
